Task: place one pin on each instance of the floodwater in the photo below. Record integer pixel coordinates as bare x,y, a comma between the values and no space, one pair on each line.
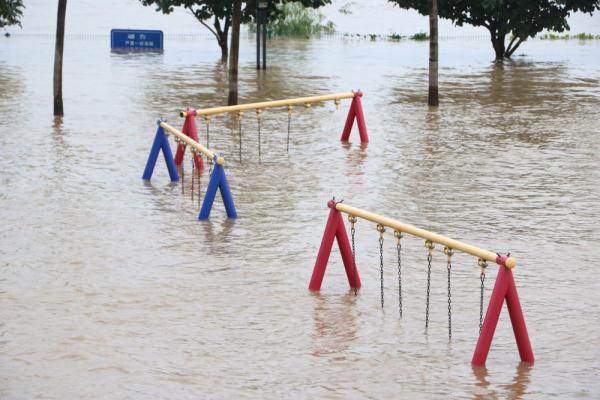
111,288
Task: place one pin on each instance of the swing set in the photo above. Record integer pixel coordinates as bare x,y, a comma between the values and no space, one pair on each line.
504,287
354,113
188,136
218,179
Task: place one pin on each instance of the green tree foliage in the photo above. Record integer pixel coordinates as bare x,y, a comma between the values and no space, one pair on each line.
218,12
11,12
293,19
515,20
216,15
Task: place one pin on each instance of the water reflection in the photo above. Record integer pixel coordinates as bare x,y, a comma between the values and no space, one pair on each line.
355,161
161,196
12,86
514,390
335,326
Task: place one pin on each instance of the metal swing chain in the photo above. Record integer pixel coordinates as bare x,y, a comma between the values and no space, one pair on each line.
482,266
208,160
398,236
193,165
449,252
207,121
259,119
287,147
240,117
179,143
353,220
182,176
429,245
381,230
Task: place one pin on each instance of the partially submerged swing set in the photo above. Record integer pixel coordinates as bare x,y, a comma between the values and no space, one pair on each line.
218,179
504,287
355,112
188,136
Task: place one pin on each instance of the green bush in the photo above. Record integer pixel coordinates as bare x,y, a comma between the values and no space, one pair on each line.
420,36
579,36
584,36
396,37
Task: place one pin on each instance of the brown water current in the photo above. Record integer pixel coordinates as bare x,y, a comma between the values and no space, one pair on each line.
111,288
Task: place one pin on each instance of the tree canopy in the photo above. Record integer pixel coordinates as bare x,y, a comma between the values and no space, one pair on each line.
11,12
516,19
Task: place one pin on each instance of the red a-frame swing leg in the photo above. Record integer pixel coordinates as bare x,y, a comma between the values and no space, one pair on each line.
504,288
355,112
190,129
334,229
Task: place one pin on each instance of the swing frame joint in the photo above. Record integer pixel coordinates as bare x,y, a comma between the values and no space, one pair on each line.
506,261
189,112
332,203
219,159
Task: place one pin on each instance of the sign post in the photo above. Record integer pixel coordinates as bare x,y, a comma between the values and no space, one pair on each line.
136,39
261,22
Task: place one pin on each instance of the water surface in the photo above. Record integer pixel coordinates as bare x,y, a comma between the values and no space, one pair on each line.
111,288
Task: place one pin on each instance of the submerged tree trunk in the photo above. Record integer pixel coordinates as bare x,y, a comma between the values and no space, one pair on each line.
234,52
499,46
498,38
224,51
58,57
223,38
433,97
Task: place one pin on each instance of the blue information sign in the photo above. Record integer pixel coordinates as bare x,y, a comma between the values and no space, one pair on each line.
136,39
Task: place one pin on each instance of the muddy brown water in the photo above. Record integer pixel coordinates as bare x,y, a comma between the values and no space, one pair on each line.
110,287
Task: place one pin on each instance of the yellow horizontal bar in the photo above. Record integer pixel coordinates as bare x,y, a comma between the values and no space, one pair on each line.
191,142
272,104
434,237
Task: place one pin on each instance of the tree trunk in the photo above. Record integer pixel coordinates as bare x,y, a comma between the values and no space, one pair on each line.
224,50
433,97
499,47
223,37
58,57
234,52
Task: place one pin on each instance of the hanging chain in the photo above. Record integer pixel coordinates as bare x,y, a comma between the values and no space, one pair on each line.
381,230
482,266
353,220
182,169
208,159
429,245
449,252
259,119
240,117
287,147
398,236
193,164
207,121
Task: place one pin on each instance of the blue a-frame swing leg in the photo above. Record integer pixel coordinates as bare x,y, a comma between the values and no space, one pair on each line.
161,142
218,180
